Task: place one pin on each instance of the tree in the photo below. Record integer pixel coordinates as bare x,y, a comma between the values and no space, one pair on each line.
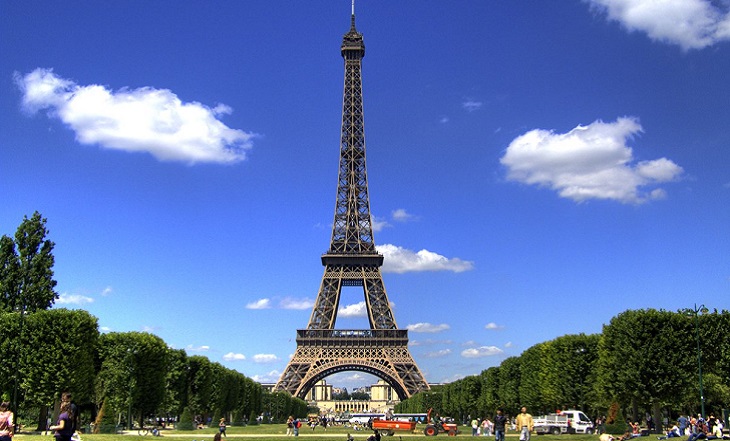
176,386
56,354
641,361
132,372
509,385
26,268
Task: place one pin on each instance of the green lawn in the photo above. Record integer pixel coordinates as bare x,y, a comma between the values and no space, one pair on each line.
269,432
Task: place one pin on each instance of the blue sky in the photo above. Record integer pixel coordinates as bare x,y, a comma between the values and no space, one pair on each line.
535,167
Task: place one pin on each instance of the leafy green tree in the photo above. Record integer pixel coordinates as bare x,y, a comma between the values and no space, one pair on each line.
571,370
200,385
57,352
489,399
176,382
132,373
531,373
509,383
26,268
639,358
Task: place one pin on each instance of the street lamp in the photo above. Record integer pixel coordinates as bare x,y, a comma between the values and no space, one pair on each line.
696,311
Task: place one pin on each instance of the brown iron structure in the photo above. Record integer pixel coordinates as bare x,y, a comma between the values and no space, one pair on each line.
352,260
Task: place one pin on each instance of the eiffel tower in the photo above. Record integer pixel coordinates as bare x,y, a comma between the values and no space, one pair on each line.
352,260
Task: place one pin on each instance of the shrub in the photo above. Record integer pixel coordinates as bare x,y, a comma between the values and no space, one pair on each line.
186,420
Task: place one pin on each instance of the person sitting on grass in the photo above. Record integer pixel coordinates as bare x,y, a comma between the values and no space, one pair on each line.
672,433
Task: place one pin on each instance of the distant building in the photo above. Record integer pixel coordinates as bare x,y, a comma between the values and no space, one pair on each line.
382,399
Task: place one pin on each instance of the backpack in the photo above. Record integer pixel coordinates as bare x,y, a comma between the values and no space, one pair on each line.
299,424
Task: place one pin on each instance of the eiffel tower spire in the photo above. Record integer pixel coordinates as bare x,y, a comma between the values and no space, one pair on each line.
352,260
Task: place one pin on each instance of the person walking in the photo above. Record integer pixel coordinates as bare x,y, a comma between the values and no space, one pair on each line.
524,424
500,425
64,427
222,427
6,422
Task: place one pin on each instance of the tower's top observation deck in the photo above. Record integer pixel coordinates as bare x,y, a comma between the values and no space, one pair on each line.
353,45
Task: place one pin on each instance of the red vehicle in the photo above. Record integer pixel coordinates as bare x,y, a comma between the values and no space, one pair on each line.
388,427
436,426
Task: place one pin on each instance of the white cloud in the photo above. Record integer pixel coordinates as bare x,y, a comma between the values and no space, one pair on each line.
493,326
427,327
73,299
444,119
482,351
437,354
471,105
148,120
400,260
354,310
259,304
429,342
191,348
508,344
265,358
401,215
298,304
588,162
452,378
234,357
690,24
378,224
269,377
108,290
105,329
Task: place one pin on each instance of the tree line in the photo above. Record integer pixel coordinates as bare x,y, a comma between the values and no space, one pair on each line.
114,377
643,362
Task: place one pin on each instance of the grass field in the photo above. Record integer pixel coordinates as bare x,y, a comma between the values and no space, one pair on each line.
268,432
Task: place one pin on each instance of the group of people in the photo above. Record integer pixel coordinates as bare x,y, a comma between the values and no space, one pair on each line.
64,428
523,423
694,428
292,426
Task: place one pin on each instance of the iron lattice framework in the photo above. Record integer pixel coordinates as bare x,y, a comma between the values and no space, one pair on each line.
352,260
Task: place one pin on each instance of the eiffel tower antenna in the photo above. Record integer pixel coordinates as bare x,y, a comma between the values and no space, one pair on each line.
352,260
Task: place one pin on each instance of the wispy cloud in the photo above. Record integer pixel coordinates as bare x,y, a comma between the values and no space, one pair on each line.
231,356
401,260
588,162
690,24
259,304
401,215
265,358
148,120
73,299
471,105
191,348
378,224
493,326
107,291
427,327
269,377
429,342
482,351
437,354
298,304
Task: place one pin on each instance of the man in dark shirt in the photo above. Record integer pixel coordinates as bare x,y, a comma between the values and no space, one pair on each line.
500,422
